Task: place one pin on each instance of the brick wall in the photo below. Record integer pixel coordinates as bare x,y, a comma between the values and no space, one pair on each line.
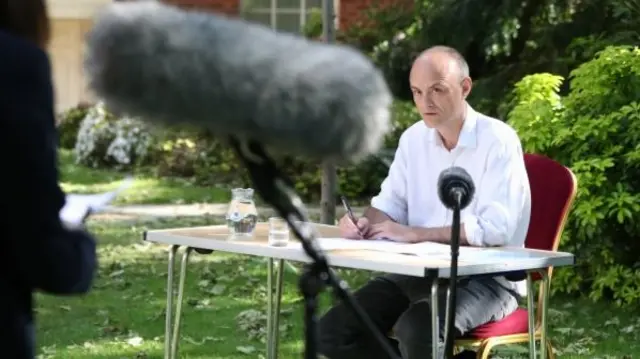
355,11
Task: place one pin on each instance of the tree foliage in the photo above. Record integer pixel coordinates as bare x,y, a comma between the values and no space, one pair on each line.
595,130
502,40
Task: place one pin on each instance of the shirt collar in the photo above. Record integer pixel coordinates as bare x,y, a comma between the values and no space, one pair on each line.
468,137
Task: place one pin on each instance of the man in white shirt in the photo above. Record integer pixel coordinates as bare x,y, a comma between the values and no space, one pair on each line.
408,209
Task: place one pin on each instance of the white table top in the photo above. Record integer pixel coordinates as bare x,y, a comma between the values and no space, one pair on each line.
217,238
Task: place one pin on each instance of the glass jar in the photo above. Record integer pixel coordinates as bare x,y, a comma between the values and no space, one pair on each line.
242,214
278,232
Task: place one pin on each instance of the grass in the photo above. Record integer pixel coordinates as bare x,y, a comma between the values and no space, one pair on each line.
146,189
225,298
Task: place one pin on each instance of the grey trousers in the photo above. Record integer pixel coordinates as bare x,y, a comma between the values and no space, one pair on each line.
401,304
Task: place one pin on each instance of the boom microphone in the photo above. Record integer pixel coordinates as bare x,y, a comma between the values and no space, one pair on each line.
167,65
455,187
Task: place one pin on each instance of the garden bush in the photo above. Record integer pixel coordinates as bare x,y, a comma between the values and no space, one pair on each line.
68,124
594,130
183,151
105,140
194,153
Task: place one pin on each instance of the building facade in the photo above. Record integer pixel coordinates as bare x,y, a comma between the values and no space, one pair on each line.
71,20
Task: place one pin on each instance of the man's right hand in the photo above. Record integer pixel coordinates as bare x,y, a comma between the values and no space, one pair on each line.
349,230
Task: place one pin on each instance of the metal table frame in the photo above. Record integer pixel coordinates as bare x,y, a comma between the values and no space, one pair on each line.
173,321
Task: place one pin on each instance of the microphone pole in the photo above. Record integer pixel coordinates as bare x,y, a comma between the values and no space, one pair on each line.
277,190
453,277
455,189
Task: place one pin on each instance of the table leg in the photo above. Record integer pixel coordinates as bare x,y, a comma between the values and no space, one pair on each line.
435,324
446,313
543,315
269,307
532,316
273,309
176,326
169,308
276,314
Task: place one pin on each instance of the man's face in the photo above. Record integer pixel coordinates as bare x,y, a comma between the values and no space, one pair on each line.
439,90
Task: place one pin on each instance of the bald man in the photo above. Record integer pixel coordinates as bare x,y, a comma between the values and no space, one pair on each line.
407,209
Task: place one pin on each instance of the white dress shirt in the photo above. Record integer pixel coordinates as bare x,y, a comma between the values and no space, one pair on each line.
490,151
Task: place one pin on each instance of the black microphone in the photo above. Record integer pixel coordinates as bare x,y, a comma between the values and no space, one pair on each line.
257,89
163,64
455,188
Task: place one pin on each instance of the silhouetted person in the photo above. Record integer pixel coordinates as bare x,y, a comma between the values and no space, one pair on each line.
39,252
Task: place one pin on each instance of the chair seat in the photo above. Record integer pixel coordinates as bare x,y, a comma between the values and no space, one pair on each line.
514,323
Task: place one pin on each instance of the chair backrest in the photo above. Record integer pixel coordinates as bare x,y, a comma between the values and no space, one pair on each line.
553,189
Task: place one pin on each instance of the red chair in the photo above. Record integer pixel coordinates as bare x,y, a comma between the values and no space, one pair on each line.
553,189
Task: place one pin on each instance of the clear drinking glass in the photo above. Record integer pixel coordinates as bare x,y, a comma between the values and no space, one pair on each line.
242,215
278,232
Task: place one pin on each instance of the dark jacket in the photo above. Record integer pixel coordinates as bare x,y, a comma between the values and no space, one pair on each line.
39,253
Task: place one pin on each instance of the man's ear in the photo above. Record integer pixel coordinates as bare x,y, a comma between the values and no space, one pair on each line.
467,84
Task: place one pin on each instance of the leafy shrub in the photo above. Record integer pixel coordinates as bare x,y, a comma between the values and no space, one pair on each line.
196,154
68,123
313,27
191,152
595,130
105,140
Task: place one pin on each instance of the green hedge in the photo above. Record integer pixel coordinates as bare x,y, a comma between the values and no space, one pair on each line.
68,123
595,130
192,153
196,154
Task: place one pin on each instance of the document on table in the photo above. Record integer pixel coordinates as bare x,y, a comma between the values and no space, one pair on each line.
383,245
423,249
79,206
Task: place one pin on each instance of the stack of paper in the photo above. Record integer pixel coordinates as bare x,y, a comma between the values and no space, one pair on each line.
425,249
78,206
383,245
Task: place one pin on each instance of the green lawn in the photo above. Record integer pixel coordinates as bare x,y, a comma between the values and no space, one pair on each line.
123,317
147,189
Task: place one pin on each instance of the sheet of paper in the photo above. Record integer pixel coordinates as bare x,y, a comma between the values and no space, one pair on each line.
487,255
78,206
334,244
424,249
382,245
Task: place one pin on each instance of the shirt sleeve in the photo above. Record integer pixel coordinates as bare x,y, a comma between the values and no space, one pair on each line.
503,200
392,198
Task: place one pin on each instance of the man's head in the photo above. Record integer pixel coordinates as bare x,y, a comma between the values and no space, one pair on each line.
440,84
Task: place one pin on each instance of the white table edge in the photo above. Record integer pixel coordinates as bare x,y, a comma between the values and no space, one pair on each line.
558,259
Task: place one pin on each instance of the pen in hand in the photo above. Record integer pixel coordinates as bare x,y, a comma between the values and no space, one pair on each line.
351,215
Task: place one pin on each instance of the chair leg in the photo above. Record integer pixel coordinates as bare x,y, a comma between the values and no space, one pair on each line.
550,354
484,350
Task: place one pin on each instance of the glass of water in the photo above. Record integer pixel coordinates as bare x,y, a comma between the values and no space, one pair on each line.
278,232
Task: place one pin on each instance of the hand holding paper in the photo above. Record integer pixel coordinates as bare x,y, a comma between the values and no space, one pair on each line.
78,207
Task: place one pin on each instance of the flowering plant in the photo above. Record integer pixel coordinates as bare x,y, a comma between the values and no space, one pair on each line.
105,140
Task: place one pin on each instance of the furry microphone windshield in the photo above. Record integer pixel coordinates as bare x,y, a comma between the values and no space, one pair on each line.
163,64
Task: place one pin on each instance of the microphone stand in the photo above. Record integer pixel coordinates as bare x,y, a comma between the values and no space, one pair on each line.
277,190
453,277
